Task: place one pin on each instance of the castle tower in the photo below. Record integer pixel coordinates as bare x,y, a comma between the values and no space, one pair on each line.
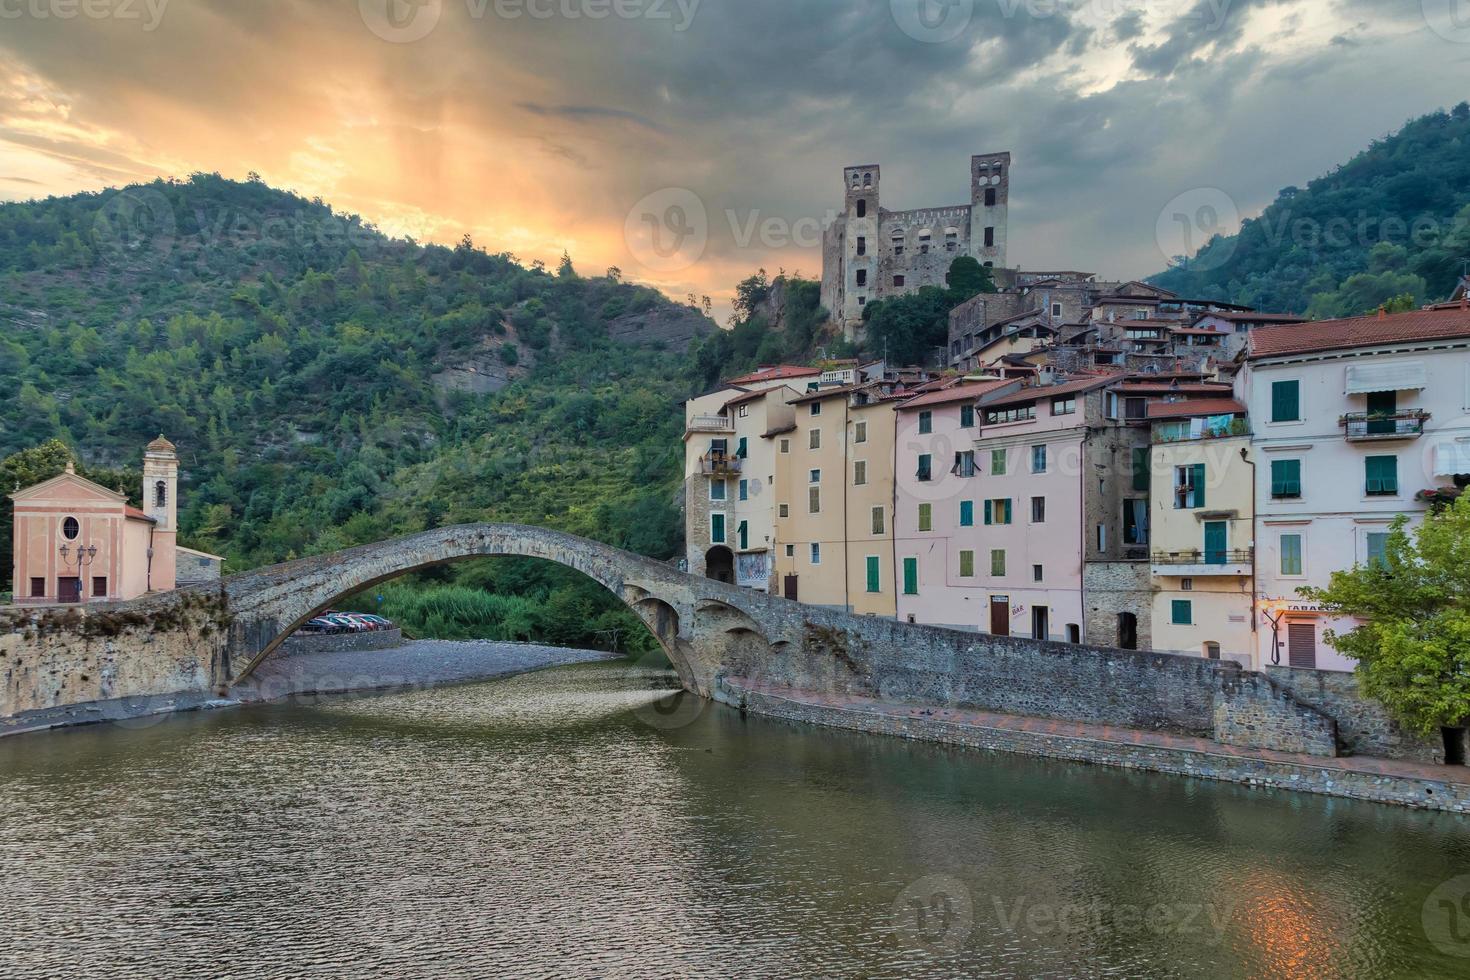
161,504
990,192
861,279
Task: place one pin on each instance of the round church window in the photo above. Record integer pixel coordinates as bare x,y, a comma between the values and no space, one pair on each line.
70,529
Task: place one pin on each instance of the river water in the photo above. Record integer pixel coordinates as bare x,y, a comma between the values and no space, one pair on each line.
563,824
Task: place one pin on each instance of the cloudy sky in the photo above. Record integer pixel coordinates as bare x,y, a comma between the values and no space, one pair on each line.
690,142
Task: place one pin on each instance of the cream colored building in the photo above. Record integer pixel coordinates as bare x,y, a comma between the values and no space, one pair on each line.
729,474
813,501
834,519
1203,529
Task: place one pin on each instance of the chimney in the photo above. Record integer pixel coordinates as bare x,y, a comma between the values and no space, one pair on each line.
1383,312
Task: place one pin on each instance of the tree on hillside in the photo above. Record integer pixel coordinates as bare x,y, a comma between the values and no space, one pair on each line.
1413,650
909,328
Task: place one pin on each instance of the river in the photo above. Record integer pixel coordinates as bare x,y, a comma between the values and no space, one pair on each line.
563,824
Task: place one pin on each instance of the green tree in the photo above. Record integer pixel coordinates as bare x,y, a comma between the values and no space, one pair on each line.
1413,650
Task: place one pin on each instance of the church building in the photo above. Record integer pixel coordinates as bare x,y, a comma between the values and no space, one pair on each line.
78,542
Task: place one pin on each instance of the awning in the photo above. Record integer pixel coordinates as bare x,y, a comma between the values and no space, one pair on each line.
1397,376
1451,458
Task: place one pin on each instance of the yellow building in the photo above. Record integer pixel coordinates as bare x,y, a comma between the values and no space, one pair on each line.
1203,529
834,499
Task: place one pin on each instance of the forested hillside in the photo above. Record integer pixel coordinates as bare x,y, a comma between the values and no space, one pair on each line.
1391,226
329,386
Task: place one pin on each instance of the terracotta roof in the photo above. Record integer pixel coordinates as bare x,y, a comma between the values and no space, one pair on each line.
748,396
161,444
965,391
1037,392
137,514
1362,331
1199,331
1198,388
830,391
1195,406
775,373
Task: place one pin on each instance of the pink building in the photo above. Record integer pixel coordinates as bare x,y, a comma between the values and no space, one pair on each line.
1031,448
78,542
939,541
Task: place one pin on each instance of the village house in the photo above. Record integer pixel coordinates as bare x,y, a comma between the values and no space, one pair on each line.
938,537
1203,529
1354,421
730,474
78,542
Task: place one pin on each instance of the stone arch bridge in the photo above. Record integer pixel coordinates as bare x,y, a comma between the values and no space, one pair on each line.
725,642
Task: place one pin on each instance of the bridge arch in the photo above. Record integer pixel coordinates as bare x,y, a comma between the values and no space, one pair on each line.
270,604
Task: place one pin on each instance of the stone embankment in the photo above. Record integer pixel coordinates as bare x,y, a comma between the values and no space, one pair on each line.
417,664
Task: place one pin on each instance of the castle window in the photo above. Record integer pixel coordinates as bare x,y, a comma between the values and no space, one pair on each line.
862,208
862,277
160,494
989,237
70,529
898,280
862,245
990,197
862,300
867,180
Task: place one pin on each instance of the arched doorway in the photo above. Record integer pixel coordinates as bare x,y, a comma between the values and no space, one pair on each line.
719,564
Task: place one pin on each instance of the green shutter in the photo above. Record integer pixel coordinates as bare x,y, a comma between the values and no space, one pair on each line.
1291,554
911,576
1377,549
740,448
744,532
873,573
967,416
926,517
1286,478
998,563
1286,401
717,528
989,512
1005,506
1183,611
967,513
1383,474
1215,541
967,564
1140,468
1198,470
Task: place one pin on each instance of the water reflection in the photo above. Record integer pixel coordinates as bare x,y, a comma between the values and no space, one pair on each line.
538,826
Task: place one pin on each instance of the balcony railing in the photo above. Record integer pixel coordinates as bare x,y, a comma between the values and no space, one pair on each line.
709,423
1364,426
1203,557
720,464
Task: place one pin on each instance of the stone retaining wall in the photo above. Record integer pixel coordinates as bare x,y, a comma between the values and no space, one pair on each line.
303,643
1364,726
1426,794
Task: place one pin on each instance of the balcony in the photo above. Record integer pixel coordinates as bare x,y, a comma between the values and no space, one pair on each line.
720,465
1203,564
710,423
1369,426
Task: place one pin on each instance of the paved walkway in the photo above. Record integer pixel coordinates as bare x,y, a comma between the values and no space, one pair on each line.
1108,733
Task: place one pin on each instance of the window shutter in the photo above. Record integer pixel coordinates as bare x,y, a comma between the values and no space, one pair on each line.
967,513
989,512
967,564
1197,475
873,571
740,449
1140,468
1183,612
911,576
1006,504
1285,401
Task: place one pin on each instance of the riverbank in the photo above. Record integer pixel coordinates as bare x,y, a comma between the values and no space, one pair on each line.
1407,784
414,665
